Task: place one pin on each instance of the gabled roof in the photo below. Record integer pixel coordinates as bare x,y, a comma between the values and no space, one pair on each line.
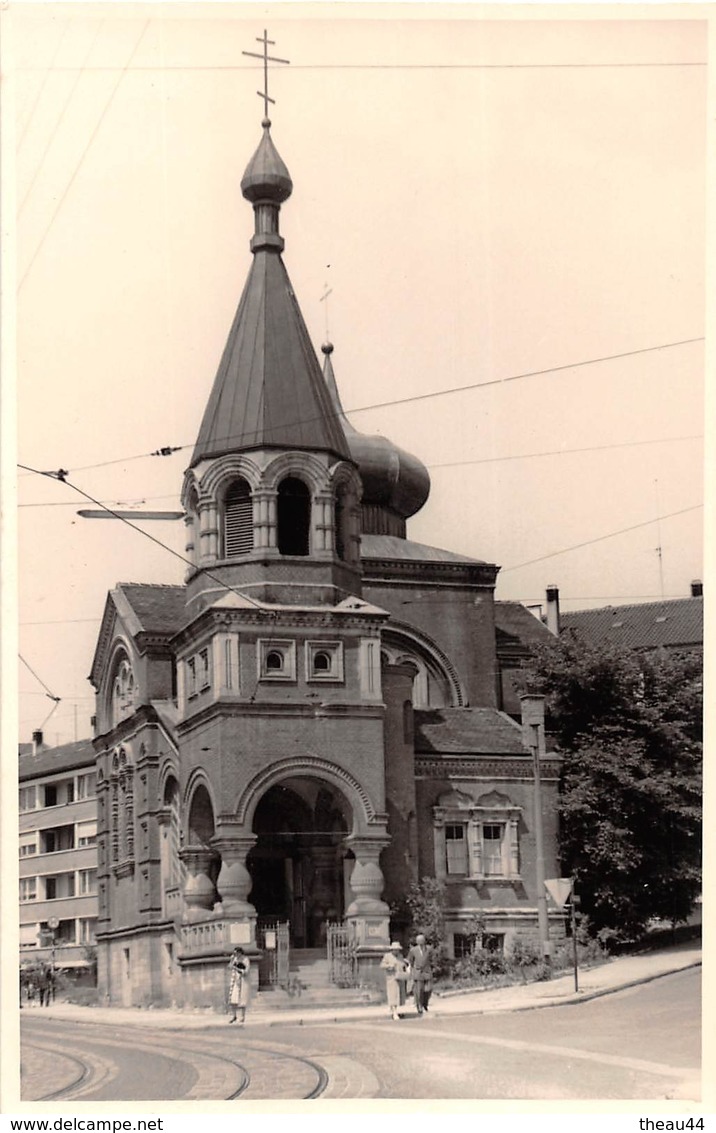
157,608
142,608
469,731
269,391
50,760
514,621
650,625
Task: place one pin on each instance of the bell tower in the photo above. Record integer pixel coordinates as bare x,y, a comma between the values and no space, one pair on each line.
272,494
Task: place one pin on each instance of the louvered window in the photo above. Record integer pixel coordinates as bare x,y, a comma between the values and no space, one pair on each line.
238,520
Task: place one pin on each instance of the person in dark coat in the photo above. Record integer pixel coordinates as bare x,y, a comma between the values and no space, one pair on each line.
239,984
421,972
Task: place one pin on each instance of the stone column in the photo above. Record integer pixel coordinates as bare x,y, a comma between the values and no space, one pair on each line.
199,890
234,882
367,913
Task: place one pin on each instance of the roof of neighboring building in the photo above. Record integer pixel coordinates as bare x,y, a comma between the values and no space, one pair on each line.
673,622
516,621
477,731
393,547
50,760
158,609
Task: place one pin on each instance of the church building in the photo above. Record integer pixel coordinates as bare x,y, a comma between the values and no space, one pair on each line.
322,714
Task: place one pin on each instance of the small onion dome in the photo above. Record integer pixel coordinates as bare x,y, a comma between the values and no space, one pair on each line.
392,478
266,177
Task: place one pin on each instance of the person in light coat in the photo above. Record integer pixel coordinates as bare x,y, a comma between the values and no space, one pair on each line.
395,967
239,984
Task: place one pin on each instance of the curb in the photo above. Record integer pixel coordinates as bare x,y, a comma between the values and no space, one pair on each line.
295,1019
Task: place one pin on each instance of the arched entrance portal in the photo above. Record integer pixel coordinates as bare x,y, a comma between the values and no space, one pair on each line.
299,865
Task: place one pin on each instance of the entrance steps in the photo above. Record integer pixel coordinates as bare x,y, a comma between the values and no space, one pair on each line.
309,986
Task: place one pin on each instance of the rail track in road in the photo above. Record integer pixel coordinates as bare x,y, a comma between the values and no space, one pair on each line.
105,1068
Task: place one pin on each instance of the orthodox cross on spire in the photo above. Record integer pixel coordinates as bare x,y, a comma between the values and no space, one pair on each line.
266,60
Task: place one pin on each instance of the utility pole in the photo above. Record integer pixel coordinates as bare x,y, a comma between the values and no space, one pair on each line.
532,708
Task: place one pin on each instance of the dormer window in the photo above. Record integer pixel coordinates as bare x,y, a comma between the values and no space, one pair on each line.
293,513
238,520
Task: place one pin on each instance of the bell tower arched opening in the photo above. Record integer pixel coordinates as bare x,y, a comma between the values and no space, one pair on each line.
300,864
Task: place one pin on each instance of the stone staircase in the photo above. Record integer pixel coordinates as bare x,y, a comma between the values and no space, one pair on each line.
309,986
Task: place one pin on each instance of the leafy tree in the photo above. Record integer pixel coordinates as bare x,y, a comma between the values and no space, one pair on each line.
628,727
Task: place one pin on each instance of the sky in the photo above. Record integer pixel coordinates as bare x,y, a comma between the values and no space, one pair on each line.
513,203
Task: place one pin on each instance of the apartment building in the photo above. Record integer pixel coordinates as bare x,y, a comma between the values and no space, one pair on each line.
58,852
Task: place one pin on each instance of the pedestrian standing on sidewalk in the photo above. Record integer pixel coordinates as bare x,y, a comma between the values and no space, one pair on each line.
239,984
395,967
421,972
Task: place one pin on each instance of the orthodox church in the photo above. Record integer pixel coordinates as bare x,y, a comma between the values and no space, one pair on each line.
323,714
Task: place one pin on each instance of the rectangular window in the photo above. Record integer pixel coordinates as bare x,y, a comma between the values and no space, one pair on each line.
87,785
28,889
51,794
191,677
228,668
28,844
203,669
87,930
456,848
28,798
86,833
492,837
88,881
50,888
463,945
70,792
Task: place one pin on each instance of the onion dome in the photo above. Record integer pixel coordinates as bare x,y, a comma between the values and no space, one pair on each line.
266,177
396,484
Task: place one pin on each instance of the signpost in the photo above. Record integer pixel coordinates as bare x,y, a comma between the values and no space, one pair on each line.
561,890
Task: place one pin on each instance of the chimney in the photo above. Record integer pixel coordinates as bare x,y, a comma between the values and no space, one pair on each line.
37,741
697,588
553,610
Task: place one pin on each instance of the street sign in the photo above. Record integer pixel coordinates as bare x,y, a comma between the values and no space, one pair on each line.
559,889
53,923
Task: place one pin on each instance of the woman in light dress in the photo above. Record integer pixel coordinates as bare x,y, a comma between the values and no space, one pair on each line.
395,967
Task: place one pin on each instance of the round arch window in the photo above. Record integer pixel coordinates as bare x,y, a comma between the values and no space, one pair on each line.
274,661
322,662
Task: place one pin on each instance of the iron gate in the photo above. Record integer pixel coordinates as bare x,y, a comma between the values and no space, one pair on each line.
342,960
273,940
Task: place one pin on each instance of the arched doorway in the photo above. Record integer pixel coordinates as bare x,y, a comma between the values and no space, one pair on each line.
299,863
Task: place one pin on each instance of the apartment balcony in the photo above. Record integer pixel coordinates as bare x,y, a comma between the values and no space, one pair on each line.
59,861
64,908
44,818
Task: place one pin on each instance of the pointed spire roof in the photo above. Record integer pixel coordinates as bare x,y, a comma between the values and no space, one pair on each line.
391,477
269,391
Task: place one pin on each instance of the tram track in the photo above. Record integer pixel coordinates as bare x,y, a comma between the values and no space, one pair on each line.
257,1071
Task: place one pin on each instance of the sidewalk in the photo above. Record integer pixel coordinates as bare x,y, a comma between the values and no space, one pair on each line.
613,976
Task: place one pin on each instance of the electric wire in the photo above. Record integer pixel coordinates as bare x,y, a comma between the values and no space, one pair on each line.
153,539
246,438
84,153
600,538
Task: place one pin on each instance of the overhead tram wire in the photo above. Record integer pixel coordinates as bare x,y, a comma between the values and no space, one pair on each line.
448,464
600,538
152,538
402,66
168,450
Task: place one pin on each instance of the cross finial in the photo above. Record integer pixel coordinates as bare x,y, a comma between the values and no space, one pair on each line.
266,60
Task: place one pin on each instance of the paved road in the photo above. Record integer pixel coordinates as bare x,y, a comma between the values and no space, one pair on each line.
640,1043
